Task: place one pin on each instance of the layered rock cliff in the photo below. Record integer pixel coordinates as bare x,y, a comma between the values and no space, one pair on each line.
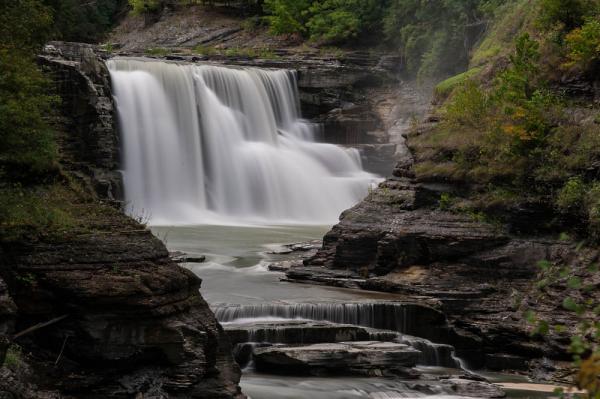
479,273
115,316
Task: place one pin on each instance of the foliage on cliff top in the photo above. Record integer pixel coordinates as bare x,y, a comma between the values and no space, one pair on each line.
84,21
511,128
434,38
34,200
27,147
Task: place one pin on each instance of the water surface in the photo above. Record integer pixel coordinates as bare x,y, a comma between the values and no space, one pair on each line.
235,273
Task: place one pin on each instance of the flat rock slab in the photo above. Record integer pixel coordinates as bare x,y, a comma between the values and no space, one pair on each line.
368,358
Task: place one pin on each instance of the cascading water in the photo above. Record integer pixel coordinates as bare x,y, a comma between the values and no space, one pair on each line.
206,144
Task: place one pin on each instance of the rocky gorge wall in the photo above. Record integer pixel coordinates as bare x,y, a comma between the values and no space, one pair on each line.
89,140
480,275
115,315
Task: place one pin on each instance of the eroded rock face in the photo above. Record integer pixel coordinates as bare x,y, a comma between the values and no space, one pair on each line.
395,227
90,149
127,321
136,322
399,240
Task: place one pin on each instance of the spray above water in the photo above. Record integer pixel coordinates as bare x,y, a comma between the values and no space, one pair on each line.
211,144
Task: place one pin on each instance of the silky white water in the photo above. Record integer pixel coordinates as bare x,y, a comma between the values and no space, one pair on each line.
211,144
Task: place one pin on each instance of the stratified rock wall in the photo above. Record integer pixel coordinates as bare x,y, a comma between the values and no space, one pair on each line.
135,320
401,240
125,320
90,148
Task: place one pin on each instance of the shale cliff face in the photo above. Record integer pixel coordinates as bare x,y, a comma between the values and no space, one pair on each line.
89,142
401,240
126,320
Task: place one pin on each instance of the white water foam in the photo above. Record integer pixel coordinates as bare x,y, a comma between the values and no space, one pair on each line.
210,144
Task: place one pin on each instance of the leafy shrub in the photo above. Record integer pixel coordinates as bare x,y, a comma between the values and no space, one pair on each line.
572,195
14,358
444,88
331,23
287,16
158,51
145,6
327,21
27,146
525,106
29,212
435,37
469,106
568,14
446,201
84,21
583,45
335,21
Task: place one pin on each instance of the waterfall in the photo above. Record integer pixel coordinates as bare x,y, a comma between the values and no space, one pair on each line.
212,144
389,316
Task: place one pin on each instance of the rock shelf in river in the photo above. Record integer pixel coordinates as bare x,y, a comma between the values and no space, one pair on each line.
370,358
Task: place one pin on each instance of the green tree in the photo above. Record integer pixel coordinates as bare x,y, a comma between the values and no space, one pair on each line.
287,16
568,14
435,37
27,146
583,45
84,21
335,21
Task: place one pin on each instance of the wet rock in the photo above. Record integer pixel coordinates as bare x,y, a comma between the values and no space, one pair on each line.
338,278
378,158
503,361
182,257
281,251
299,247
368,358
418,319
294,332
398,240
305,246
389,230
90,150
284,265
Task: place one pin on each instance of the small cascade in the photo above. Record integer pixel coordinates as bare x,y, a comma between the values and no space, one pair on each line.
380,315
307,323
211,144
432,354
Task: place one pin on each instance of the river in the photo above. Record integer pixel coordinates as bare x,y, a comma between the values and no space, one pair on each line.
235,274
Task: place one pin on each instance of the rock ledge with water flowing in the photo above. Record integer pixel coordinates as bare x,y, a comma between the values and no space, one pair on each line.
370,358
